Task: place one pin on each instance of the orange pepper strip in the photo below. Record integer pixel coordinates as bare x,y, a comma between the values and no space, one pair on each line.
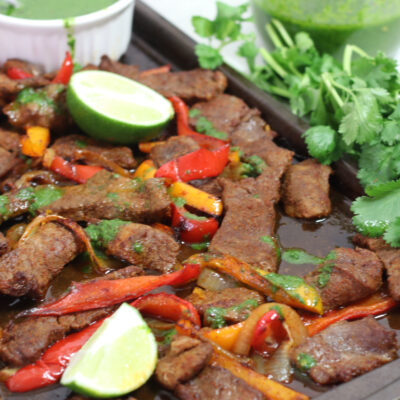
225,337
145,147
234,157
197,198
145,170
35,142
374,305
271,389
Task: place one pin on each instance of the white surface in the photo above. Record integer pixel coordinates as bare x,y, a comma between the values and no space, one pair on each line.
180,12
107,31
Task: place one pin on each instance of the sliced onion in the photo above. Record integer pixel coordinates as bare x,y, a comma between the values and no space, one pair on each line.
14,234
45,177
212,280
278,366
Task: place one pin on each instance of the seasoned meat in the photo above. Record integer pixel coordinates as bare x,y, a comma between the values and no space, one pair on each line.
185,359
305,190
9,140
130,71
41,107
211,186
7,161
110,196
390,258
29,268
217,383
145,246
174,147
22,342
248,225
346,349
350,276
28,67
194,85
237,303
3,244
67,146
225,112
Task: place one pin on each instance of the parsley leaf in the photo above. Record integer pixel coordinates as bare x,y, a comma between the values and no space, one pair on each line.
322,143
208,57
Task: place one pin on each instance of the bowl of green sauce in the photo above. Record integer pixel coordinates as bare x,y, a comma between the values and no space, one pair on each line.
373,25
41,31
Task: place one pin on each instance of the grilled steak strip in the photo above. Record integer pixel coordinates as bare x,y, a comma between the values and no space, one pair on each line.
9,140
390,258
22,342
3,244
7,161
144,246
110,196
350,276
29,268
345,350
67,146
305,190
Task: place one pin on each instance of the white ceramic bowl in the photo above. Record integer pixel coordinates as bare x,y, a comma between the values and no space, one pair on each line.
44,42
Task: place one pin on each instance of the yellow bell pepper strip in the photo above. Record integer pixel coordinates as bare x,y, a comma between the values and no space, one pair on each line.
196,198
224,337
145,147
376,304
234,157
35,142
287,289
145,170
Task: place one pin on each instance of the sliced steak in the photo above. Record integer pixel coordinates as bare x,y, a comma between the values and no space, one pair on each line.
39,107
211,186
9,140
345,350
248,225
110,196
185,359
174,147
389,256
194,85
144,246
22,342
305,190
69,146
7,161
28,67
234,305
217,383
129,71
350,276
29,268
3,244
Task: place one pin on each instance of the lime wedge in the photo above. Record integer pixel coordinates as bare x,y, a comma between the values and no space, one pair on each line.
111,107
120,357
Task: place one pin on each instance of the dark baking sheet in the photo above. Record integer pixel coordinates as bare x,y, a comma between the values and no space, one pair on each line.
155,42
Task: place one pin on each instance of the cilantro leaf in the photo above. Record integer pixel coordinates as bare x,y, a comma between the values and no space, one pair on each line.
208,57
203,26
226,11
249,51
392,234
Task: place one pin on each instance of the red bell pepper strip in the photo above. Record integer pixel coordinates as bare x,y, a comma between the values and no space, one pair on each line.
75,172
65,72
182,122
18,73
199,164
102,293
193,230
268,333
167,306
51,365
373,305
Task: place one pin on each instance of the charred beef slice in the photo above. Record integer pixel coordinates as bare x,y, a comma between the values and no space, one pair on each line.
110,196
29,268
345,350
3,244
351,275
248,224
68,146
7,161
22,342
184,360
145,246
217,383
390,258
305,190
9,140
129,71
174,147
236,303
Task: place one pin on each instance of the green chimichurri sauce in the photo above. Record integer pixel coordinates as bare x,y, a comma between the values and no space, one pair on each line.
54,9
371,24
